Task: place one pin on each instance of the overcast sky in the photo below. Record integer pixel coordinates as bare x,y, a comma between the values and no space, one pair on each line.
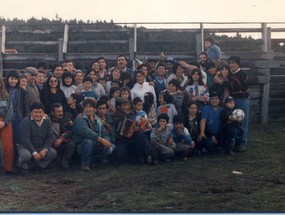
147,10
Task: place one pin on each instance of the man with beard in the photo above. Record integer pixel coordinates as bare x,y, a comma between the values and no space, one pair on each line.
122,64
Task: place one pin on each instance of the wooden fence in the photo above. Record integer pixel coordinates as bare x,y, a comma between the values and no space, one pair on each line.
265,67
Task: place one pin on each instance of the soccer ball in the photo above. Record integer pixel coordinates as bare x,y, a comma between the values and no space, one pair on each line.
238,115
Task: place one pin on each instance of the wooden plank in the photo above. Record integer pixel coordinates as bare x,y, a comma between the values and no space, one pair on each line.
265,103
72,30
27,56
32,42
86,42
3,39
60,50
65,39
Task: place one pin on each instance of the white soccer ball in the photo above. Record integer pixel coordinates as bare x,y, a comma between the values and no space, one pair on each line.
238,115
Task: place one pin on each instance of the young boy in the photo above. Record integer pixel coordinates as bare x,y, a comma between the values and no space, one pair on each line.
211,72
181,137
178,98
140,115
230,129
161,141
87,90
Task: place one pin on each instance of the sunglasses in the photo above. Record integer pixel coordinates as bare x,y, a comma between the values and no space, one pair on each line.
53,81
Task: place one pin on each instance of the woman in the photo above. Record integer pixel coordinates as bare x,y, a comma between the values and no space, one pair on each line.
52,93
67,84
142,87
115,77
78,77
178,74
6,132
20,103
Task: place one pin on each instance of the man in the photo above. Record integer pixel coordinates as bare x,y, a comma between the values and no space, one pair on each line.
36,138
210,124
136,143
238,90
32,90
62,131
122,64
40,80
90,135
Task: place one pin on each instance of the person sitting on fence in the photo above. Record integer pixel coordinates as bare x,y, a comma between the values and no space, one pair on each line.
213,51
36,138
90,135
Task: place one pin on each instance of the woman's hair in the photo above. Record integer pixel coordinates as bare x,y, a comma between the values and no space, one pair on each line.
166,97
3,91
12,73
65,75
224,66
48,80
148,101
175,67
200,80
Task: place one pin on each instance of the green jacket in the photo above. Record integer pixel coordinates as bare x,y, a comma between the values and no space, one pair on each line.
82,129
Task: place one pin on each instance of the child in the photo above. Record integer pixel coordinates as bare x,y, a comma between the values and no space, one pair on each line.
114,93
197,91
161,141
140,115
125,93
102,81
181,137
149,108
230,129
178,98
87,90
211,72
159,79
166,106
192,123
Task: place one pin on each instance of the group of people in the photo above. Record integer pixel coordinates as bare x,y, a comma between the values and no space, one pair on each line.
164,109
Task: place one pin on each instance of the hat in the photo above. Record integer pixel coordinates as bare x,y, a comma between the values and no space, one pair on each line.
120,101
229,99
170,59
31,70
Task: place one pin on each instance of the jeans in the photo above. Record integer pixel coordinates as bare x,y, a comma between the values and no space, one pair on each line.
243,104
88,149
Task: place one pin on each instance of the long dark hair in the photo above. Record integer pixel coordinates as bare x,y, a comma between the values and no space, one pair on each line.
148,101
3,91
12,73
200,80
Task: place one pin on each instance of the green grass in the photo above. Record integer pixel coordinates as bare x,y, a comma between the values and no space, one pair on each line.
200,184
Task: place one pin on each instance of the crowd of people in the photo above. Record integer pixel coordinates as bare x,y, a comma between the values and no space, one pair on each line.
165,109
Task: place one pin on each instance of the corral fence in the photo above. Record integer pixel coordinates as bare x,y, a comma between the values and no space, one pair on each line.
83,43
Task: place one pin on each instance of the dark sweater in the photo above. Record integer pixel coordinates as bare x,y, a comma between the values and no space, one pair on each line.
35,137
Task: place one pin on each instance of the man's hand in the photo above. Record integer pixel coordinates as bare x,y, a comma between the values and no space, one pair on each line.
57,142
201,136
37,157
43,153
105,143
214,140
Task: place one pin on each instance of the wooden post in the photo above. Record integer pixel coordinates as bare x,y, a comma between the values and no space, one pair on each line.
269,39
198,44
265,99
202,36
60,50
65,39
135,47
131,50
2,48
264,37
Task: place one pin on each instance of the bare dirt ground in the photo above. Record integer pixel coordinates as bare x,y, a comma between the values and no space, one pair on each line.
246,182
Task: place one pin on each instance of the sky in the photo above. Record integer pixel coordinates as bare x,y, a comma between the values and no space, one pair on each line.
131,11
148,10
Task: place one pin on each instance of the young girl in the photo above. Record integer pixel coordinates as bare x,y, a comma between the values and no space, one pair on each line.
149,108
126,94
197,90
114,93
140,115
67,84
6,133
221,82
166,106
192,123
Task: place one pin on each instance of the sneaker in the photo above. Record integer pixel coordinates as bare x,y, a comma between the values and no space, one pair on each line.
85,168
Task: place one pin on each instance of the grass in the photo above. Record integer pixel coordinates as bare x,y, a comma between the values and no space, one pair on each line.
200,184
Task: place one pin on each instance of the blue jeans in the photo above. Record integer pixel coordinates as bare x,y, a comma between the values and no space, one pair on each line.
88,149
243,104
